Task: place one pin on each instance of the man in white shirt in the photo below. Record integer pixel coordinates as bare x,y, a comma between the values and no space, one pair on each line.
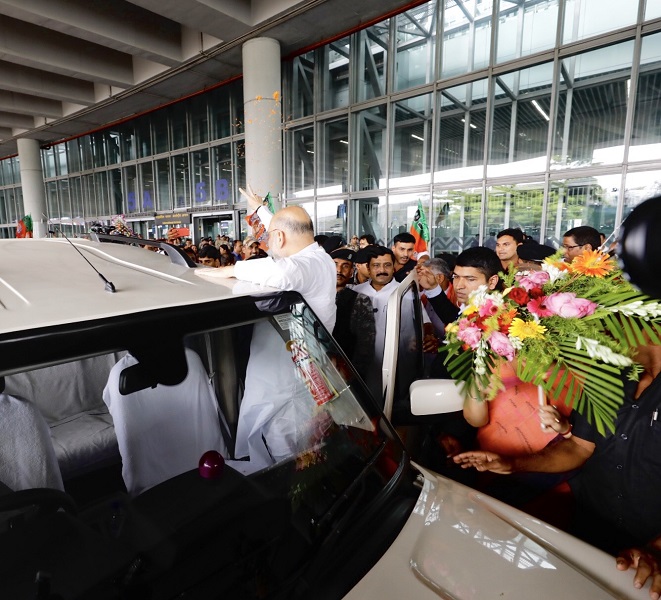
381,268
274,399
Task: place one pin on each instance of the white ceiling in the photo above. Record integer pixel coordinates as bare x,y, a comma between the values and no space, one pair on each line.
71,66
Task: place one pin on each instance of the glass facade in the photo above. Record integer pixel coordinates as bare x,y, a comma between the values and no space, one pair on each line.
539,114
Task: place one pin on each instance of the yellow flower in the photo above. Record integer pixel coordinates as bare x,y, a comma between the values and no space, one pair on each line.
592,263
526,329
451,328
470,309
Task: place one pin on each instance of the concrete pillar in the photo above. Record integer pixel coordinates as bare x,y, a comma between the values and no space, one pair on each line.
32,182
263,116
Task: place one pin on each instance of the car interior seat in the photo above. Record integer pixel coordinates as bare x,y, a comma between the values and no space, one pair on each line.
163,431
27,455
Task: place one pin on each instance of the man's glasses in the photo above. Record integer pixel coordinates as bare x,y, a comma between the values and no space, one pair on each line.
567,247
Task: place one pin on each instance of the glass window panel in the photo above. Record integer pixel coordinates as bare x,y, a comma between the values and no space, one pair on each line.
332,218
401,211
6,169
221,115
592,107
333,159
112,145
127,141
73,156
587,201
461,132
640,187
178,130
88,195
13,212
181,177
99,149
525,27
199,119
236,94
240,169
76,195
116,194
60,161
518,206
143,137
335,74
302,84
652,9
64,198
372,51
101,192
455,223
371,151
415,43
411,152
48,158
466,37
148,191
130,176
163,197
585,18
16,170
370,217
51,200
520,121
87,151
160,131
222,174
202,193
646,133
4,210
301,162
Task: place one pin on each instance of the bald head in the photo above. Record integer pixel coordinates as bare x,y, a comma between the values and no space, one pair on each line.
290,231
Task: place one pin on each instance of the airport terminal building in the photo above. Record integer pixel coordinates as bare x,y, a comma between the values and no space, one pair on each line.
538,114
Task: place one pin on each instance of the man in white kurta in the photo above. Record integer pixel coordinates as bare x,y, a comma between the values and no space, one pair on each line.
381,268
276,404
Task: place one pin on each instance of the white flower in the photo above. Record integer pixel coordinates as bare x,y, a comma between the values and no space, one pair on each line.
478,297
602,353
638,308
554,272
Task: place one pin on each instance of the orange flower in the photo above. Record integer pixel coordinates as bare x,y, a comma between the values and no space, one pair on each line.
592,263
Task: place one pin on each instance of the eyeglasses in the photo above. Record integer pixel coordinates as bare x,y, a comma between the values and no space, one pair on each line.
268,233
567,247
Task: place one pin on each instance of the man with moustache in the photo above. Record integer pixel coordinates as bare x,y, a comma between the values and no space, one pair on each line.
381,268
354,326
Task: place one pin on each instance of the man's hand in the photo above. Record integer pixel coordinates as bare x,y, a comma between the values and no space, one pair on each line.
254,201
647,563
426,279
484,461
219,273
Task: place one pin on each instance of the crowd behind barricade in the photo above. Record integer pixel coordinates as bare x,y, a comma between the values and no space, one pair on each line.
546,459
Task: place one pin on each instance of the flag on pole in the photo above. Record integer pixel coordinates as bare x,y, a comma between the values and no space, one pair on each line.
419,229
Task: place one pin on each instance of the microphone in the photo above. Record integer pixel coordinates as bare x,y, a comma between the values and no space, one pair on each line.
109,286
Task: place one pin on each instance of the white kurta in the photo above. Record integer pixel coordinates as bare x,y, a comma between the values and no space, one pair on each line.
276,405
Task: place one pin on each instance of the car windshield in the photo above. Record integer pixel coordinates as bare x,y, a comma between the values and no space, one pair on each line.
307,452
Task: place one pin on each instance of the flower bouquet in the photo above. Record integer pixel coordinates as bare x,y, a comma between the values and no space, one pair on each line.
570,327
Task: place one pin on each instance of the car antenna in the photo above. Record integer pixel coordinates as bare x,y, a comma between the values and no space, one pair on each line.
110,287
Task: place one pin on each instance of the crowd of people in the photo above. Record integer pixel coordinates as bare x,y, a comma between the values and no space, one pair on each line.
613,478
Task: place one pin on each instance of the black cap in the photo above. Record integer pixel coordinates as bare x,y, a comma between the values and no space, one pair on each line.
344,254
534,251
362,256
331,243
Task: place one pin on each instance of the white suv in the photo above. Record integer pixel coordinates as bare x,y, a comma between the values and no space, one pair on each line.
116,405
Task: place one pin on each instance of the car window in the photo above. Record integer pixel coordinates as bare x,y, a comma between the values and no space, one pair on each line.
249,531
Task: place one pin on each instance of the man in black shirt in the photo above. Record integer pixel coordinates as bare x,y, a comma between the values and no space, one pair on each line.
403,247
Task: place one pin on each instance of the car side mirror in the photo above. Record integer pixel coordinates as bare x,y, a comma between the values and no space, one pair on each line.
435,396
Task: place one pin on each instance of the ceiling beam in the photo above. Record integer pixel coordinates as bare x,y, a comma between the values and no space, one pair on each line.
23,104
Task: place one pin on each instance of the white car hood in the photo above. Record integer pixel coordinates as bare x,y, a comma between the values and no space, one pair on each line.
461,544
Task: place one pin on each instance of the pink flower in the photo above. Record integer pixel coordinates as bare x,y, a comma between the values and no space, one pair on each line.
566,304
501,345
537,306
470,335
533,279
489,308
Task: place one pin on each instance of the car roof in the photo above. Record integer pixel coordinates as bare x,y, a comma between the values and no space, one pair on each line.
46,282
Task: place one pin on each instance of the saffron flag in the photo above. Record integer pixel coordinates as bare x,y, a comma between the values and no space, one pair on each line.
419,229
